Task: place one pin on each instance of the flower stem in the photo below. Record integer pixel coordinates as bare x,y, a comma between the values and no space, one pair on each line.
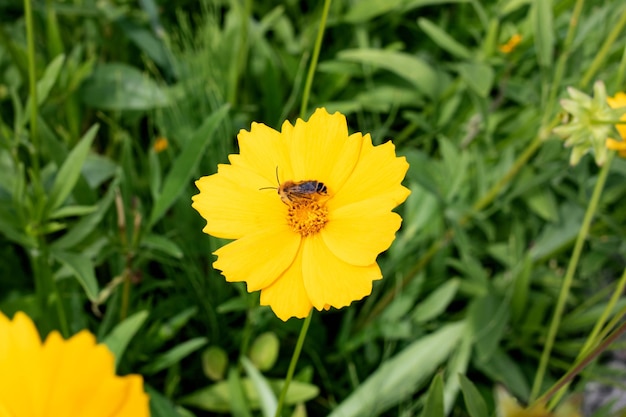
313,64
593,339
569,277
32,82
292,364
580,365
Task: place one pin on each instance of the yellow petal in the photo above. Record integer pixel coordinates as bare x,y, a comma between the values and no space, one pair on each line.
260,258
330,281
378,174
357,233
233,205
321,149
287,296
263,150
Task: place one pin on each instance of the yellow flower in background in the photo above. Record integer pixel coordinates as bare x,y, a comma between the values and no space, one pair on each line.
160,144
507,406
511,44
309,208
73,377
618,101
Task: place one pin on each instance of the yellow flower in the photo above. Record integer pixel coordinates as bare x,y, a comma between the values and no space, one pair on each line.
511,44
160,144
507,406
618,145
315,242
73,377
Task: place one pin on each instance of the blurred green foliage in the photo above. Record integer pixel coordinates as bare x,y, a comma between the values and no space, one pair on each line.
471,281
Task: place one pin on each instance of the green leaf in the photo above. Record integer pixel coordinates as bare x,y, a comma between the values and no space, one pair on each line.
159,405
71,211
45,84
183,167
267,398
443,40
162,244
474,402
478,77
116,86
83,270
88,223
542,20
119,338
174,355
400,376
238,400
411,68
437,302
434,399
70,170
218,397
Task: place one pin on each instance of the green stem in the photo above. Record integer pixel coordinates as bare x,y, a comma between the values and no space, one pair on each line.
292,364
569,277
32,84
579,366
604,50
313,65
593,339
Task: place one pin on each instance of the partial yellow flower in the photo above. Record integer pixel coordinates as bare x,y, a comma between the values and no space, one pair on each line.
507,406
160,144
309,208
619,101
73,377
511,44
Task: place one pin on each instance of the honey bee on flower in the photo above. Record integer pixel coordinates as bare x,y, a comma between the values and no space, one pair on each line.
301,191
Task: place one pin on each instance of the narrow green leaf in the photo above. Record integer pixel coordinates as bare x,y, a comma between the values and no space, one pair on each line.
400,376
436,302
83,270
159,405
479,77
174,355
45,84
88,223
268,400
71,211
183,167
70,170
434,399
542,20
119,338
238,400
116,86
162,244
443,40
410,67
474,402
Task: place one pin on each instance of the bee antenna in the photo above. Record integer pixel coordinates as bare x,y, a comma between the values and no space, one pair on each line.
277,180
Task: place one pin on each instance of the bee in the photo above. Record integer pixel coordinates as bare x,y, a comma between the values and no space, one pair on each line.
292,192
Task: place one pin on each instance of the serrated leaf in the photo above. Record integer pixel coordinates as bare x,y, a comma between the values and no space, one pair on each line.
184,165
70,170
121,335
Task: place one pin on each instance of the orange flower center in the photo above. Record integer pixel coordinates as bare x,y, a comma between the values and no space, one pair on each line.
307,217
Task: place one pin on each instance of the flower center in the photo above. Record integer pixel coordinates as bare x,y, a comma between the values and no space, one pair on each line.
307,217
